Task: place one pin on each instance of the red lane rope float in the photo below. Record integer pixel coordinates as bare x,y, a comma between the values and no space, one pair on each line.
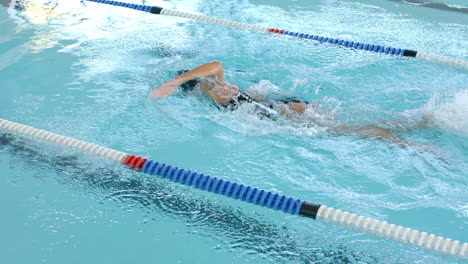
134,162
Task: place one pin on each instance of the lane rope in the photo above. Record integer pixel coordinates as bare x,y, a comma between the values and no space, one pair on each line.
448,61
249,194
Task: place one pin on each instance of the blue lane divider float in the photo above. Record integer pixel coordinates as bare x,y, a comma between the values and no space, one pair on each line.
227,188
245,193
143,8
349,44
452,62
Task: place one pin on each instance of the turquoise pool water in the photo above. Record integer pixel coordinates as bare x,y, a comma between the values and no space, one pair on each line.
85,71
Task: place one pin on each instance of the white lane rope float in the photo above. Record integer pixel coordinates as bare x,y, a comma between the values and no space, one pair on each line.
249,194
448,61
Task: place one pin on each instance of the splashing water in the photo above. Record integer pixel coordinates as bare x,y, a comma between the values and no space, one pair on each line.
449,113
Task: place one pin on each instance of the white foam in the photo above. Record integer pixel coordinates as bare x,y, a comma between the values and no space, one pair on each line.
450,114
264,87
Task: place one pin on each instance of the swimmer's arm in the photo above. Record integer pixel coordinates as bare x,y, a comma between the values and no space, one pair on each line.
212,69
213,82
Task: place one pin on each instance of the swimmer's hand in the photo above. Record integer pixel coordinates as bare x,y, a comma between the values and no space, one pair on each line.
165,89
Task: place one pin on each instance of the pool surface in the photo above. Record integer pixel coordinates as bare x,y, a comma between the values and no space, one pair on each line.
85,70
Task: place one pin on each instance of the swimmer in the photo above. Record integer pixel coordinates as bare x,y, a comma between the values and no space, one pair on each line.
210,78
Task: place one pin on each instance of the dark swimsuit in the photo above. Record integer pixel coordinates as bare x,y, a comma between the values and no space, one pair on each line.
242,97
263,108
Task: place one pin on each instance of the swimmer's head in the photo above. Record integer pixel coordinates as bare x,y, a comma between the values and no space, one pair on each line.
189,85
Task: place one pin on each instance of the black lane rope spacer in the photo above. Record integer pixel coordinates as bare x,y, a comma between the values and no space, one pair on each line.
310,210
156,10
410,53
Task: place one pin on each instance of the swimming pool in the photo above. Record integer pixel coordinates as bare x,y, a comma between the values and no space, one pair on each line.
85,72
